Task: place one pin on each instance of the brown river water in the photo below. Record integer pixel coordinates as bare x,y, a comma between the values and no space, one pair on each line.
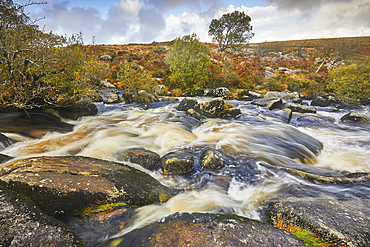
248,142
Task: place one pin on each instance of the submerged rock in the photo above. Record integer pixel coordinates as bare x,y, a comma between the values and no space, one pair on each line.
67,185
5,142
315,121
212,159
23,224
177,163
196,229
344,222
143,157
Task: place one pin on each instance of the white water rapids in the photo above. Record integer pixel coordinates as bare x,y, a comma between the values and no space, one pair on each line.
248,142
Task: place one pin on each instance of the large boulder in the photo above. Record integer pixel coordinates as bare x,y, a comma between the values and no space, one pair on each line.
77,110
274,104
23,224
67,185
345,222
196,229
196,115
211,108
177,163
283,95
219,92
32,123
143,157
264,102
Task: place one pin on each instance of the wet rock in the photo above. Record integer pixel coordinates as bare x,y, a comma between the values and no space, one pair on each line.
356,117
95,227
77,110
143,157
145,97
231,113
32,123
264,101
196,229
285,114
194,114
274,104
177,163
5,142
322,101
211,108
345,222
67,185
219,92
315,121
23,224
297,100
112,98
212,159
186,104
301,108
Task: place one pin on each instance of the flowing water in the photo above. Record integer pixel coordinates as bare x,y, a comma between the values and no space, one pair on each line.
252,144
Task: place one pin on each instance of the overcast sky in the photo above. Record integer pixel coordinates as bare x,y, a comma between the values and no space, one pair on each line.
145,21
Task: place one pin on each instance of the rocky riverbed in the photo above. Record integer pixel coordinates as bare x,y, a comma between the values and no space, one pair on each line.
194,172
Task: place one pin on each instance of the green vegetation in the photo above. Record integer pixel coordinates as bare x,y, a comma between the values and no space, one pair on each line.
230,30
189,61
38,68
164,197
134,77
352,81
102,208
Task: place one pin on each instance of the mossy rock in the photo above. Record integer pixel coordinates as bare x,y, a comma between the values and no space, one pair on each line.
177,163
212,159
68,185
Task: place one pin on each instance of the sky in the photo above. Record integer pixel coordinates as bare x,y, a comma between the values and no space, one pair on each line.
145,21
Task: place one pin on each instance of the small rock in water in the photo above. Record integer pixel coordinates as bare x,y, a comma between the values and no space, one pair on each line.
177,163
143,157
356,117
212,159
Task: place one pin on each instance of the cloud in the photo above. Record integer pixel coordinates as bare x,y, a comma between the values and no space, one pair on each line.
136,21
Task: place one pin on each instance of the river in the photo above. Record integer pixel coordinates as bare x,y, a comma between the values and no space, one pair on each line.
251,143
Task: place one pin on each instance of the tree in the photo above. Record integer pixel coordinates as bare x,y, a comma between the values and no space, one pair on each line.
38,68
134,77
189,62
231,29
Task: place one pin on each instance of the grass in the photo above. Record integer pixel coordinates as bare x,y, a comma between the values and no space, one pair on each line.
164,197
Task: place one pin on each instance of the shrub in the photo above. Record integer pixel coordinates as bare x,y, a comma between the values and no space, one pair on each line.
352,81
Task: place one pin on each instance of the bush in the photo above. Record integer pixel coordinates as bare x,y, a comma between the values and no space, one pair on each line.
352,81
134,77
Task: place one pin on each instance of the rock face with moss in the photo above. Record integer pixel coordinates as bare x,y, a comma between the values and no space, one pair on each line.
22,224
67,185
196,229
345,222
178,163
214,108
356,117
